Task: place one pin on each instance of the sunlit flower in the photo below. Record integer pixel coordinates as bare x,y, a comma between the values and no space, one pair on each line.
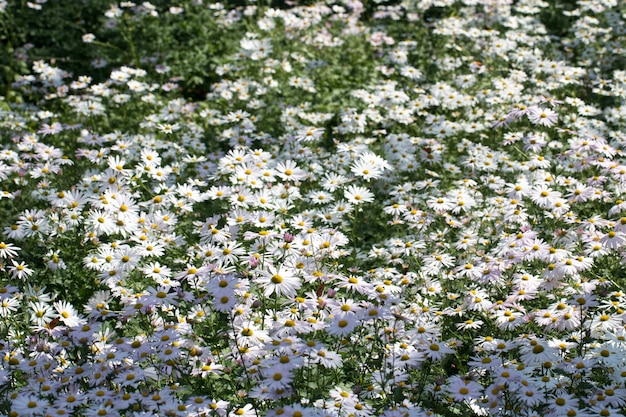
168,128
542,116
20,270
289,171
28,405
537,352
67,314
613,240
436,350
8,250
463,389
342,325
358,195
280,281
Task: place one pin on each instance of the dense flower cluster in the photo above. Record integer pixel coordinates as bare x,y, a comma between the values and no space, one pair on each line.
448,238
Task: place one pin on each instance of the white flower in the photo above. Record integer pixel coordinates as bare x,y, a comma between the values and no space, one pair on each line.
309,134
8,250
249,334
542,117
613,240
28,405
544,196
101,223
246,411
342,325
20,270
279,281
369,166
357,195
68,315
168,128
461,389
289,171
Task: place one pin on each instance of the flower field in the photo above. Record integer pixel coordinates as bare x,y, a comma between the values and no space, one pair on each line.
325,208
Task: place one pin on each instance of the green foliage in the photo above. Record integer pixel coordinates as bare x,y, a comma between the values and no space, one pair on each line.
26,35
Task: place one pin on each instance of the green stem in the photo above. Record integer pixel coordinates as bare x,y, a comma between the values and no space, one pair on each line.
354,225
127,34
107,45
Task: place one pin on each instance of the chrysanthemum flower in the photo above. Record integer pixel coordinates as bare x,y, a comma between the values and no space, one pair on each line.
461,389
8,250
358,195
542,116
280,281
67,314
